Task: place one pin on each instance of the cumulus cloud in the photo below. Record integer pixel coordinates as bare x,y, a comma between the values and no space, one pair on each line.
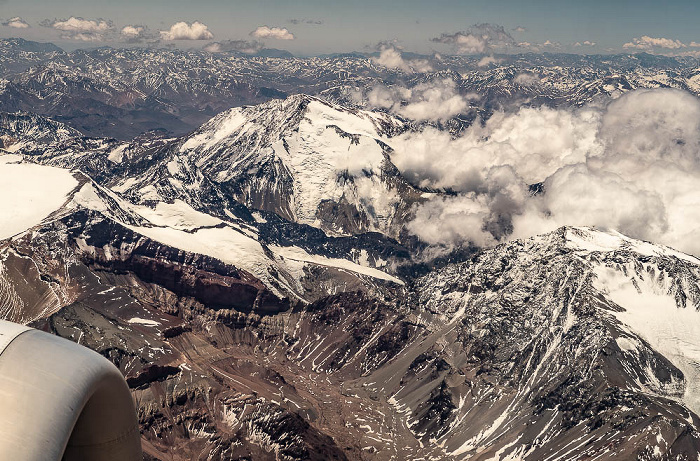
452,221
478,39
584,43
241,46
276,33
550,44
519,29
536,142
16,23
649,43
132,32
76,28
547,45
487,61
438,100
526,79
184,31
391,58
584,195
633,165
434,102
136,34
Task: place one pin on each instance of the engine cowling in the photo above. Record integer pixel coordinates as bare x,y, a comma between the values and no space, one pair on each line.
62,401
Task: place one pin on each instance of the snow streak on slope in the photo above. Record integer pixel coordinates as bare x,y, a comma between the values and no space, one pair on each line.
653,309
539,358
321,152
180,226
304,159
653,315
30,193
589,240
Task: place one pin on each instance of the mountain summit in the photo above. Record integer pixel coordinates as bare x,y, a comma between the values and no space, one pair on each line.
306,160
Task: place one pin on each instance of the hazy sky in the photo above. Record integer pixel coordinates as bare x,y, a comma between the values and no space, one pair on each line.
361,24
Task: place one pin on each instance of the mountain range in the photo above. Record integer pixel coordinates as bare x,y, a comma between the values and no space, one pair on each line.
122,93
253,279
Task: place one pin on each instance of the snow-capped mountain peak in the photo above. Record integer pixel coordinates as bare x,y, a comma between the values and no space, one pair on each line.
307,160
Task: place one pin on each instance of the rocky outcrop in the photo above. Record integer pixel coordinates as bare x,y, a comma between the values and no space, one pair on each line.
518,351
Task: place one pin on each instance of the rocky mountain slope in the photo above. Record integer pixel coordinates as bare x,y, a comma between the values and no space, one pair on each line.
246,280
305,160
537,349
302,160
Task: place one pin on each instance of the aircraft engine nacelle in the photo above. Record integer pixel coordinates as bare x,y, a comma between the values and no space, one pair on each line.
62,401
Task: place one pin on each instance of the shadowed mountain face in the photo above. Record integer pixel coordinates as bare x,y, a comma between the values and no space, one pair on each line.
249,280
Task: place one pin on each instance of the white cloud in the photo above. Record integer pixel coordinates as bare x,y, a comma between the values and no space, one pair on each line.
487,61
438,100
132,32
277,33
88,30
584,43
480,38
633,165
536,142
469,43
16,23
584,195
434,102
74,24
136,34
526,79
391,58
550,44
184,31
85,37
451,221
648,43
242,46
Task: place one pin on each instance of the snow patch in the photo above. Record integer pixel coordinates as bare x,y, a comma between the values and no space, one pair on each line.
145,322
178,215
299,254
590,240
117,154
626,344
10,158
207,139
30,193
651,313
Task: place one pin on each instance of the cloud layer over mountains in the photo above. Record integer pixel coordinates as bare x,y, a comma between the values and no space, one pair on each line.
633,165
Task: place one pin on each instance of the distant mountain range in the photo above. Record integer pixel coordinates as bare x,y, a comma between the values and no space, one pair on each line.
122,93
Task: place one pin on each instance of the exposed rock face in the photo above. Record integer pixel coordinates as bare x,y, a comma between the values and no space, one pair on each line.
521,351
303,159
274,326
